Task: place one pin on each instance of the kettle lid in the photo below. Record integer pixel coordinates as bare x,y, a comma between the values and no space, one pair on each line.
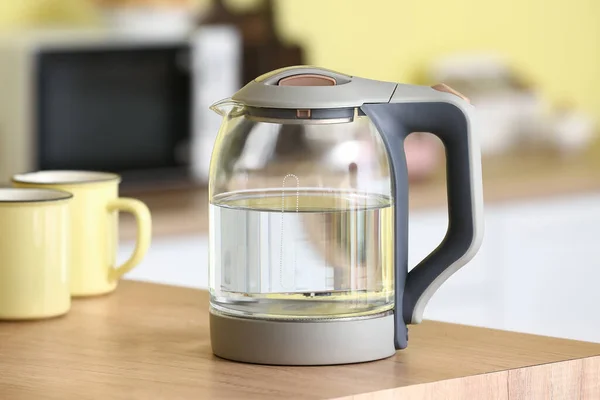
307,87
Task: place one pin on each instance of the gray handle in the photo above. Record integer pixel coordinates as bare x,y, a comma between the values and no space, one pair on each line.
448,118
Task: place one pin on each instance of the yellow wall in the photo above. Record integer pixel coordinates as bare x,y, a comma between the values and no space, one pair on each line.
555,43
15,14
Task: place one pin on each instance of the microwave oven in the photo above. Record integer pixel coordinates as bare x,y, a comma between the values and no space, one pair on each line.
124,103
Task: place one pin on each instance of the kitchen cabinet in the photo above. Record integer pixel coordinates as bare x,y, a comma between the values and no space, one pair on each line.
536,272
552,267
474,294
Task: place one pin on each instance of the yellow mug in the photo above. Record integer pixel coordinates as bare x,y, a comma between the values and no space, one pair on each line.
34,259
94,226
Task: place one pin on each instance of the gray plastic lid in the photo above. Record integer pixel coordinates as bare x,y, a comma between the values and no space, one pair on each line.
307,87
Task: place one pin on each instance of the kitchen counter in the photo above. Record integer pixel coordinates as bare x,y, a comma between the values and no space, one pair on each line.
149,341
515,177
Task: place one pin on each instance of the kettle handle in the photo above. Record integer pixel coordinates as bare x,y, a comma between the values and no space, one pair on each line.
444,114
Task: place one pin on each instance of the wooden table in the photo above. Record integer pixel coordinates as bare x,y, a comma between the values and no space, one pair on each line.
148,341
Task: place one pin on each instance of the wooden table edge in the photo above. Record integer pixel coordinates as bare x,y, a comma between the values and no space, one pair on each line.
580,374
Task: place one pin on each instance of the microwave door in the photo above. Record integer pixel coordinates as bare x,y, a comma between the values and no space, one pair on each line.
124,110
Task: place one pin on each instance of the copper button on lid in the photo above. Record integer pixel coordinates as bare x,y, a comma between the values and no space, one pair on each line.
307,80
441,87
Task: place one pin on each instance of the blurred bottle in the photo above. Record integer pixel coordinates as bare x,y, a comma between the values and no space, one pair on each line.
263,50
216,56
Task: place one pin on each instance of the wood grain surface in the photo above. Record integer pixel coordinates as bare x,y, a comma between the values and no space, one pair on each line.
516,177
148,341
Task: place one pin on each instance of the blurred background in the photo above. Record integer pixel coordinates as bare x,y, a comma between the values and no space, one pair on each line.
125,86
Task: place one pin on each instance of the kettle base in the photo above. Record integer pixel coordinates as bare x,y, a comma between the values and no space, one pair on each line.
302,342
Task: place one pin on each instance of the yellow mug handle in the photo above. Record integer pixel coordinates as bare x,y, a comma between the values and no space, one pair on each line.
144,232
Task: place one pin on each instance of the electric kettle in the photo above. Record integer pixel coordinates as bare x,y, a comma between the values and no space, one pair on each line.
308,249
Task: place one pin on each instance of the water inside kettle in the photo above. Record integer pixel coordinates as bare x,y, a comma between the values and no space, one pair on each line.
301,253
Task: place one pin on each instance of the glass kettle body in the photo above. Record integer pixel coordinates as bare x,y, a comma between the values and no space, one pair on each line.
308,245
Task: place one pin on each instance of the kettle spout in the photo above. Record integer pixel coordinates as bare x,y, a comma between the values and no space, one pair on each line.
223,107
